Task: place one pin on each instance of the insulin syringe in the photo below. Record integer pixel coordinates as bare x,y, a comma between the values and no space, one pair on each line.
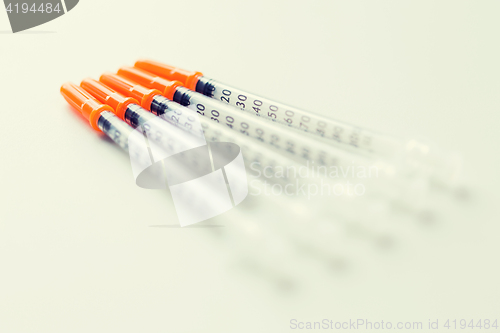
158,116
107,119
108,116
102,118
154,104
130,109
291,142
257,153
442,168
338,132
303,149
149,140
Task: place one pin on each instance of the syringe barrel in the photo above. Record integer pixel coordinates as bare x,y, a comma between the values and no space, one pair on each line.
335,132
288,141
115,128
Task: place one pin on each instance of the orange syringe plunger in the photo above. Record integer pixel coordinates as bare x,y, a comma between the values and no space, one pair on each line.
81,100
108,96
168,88
188,78
130,88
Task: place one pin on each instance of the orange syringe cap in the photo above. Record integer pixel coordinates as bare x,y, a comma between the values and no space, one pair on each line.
150,80
108,96
81,100
188,78
130,88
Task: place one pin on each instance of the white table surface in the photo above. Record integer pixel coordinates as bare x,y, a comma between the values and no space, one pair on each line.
78,248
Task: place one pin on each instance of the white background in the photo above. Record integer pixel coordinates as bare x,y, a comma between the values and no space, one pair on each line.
79,250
